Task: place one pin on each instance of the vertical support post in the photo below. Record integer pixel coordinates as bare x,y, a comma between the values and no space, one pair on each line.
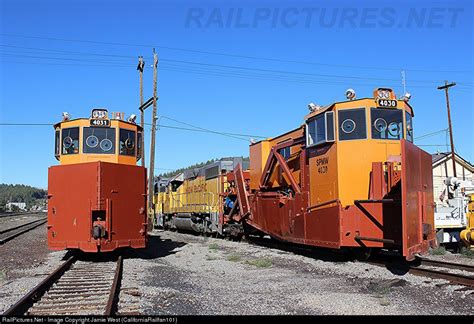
445,88
151,175
141,65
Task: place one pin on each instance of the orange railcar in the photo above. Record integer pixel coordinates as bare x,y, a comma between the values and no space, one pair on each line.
349,177
97,195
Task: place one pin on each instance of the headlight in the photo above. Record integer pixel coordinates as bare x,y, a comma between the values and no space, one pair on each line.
350,94
383,94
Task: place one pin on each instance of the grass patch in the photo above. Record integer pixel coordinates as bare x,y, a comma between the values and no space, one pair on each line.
211,258
260,263
384,302
234,257
213,246
441,250
468,253
384,290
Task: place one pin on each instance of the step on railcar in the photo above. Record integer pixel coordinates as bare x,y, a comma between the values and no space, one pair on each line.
97,193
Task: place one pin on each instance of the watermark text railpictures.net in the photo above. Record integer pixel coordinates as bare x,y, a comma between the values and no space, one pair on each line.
323,17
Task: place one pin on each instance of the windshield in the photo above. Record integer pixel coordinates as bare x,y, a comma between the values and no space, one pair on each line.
352,124
386,123
99,140
127,142
409,122
70,140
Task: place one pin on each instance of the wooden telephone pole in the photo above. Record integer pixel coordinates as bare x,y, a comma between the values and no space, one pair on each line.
153,131
445,87
140,67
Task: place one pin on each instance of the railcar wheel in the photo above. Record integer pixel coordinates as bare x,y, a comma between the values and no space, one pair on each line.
362,254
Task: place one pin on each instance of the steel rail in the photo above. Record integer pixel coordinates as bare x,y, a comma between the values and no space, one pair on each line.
456,278
22,306
21,225
112,302
21,214
446,264
69,280
25,228
418,270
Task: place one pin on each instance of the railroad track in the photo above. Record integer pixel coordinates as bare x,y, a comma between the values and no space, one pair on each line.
10,233
464,274
74,288
21,214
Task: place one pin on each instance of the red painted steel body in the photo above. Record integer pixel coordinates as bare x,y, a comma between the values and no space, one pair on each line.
110,197
397,215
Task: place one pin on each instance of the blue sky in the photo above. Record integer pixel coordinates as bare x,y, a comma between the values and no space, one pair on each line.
247,67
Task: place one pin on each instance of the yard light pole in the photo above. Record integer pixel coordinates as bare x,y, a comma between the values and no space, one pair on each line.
445,87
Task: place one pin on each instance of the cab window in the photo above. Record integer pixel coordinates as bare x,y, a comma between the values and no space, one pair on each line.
127,142
320,129
409,122
57,146
70,141
139,146
352,124
98,140
285,152
386,123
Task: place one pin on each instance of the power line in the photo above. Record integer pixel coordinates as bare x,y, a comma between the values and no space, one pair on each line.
233,135
431,134
200,130
220,73
68,52
26,124
231,54
273,73
197,127
231,67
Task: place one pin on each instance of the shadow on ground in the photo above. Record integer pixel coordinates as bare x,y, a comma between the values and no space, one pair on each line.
156,248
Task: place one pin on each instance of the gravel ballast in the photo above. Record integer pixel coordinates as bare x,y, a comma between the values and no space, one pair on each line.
194,275
185,274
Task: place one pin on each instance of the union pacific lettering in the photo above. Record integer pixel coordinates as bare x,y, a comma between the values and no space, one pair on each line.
196,188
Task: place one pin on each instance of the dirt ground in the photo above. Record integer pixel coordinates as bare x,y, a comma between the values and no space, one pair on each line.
183,274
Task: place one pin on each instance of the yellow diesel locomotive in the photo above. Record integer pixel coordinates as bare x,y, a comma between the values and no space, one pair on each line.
194,199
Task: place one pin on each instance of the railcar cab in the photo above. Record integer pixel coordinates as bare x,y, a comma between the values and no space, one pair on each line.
344,139
383,117
98,138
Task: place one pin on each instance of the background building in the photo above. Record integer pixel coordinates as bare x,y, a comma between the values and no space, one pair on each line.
443,168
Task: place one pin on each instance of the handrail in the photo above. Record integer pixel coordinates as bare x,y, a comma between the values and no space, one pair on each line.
322,204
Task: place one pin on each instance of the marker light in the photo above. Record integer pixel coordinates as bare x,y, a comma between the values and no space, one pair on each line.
313,107
383,94
66,116
132,118
406,97
350,94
